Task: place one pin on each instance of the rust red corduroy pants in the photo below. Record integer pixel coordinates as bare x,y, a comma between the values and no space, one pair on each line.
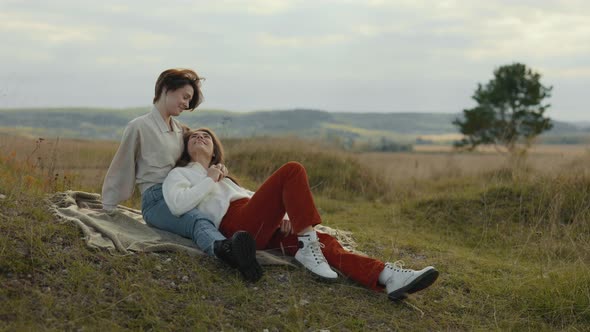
287,190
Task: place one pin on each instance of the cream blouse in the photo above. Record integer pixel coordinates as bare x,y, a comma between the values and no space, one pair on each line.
149,149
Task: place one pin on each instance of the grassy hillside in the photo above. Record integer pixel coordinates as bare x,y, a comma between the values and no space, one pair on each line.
512,245
360,131
402,123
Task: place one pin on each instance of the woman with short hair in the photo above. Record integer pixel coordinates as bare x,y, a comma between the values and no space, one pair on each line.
150,146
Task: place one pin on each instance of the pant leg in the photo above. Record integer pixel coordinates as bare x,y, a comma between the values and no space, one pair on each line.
286,190
194,224
362,269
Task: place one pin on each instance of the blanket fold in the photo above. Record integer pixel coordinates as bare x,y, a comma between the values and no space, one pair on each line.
124,232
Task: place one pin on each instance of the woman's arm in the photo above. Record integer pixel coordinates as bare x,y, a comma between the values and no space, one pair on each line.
180,195
119,182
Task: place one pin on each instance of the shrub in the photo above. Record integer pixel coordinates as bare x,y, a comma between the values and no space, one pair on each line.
330,171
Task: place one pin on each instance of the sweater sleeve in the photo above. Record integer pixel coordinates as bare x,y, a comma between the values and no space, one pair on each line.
119,181
180,195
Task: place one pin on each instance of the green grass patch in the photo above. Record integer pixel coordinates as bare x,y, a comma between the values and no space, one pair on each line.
513,255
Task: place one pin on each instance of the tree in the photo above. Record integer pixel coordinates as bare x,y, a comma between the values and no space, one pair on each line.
509,110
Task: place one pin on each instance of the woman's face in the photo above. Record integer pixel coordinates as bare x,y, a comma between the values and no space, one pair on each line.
178,100
200,143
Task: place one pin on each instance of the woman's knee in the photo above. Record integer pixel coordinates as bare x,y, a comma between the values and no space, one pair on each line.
155,212
293,167
326,238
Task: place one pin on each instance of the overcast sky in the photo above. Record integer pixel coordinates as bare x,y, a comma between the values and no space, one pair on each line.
355,55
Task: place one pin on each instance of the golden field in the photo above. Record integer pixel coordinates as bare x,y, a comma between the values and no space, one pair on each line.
88,160
510,238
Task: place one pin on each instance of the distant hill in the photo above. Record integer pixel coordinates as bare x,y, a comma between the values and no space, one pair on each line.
405,128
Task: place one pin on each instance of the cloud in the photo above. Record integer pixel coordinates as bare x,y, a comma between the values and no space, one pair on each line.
549,35
267,39
256,7
119,61
337,51
50,33
571,72
495,29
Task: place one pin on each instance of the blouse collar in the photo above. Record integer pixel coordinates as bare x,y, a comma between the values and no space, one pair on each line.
162,124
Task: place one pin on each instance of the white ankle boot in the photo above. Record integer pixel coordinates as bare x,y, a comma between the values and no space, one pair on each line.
311,257
400,282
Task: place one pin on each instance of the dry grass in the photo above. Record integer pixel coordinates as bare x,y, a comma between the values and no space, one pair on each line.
513,246
83,163
89,160
432,162
559,149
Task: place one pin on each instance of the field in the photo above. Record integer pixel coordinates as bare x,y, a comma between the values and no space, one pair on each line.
511,239
440,161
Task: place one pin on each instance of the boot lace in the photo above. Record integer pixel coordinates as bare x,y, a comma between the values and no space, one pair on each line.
316,249
397,266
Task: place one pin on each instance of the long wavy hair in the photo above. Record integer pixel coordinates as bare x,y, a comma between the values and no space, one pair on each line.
218,153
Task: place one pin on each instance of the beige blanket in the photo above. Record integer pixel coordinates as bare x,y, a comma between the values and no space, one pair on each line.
124,231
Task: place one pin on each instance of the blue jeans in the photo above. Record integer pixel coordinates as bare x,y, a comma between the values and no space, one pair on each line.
194,224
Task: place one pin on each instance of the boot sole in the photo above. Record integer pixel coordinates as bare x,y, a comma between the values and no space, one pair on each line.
315,275
423,281
244,251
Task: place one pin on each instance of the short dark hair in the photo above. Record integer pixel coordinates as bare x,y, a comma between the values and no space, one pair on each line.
176,78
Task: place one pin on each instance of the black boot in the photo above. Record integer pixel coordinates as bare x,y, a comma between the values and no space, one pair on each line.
240,252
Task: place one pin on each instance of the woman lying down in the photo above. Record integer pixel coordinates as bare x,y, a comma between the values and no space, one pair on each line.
280,214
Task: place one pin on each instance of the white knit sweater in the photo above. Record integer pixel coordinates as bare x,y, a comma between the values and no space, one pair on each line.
189,187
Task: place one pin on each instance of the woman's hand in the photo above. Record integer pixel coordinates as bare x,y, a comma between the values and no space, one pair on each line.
223,169
286,226
215,173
